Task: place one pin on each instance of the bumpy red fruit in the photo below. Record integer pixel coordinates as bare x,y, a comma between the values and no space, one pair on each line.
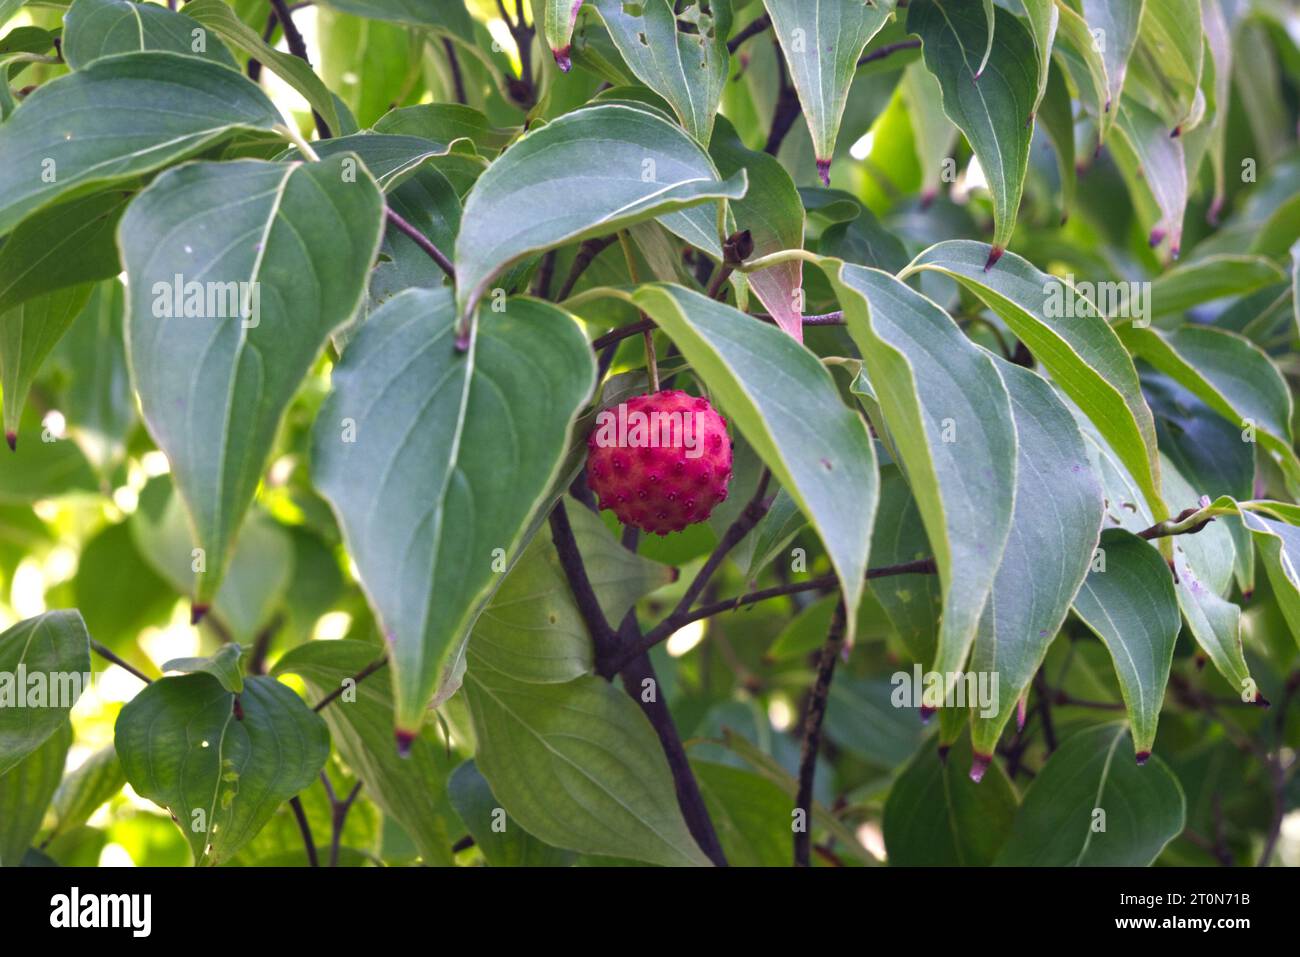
660,461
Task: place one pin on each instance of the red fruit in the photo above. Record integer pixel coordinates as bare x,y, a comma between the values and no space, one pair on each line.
660,461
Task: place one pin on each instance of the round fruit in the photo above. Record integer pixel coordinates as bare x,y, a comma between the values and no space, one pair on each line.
660,461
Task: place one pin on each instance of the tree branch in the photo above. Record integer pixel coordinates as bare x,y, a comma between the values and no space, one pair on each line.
587,252
104,653
298,47
887,50
566,546
754,29
305,830
423,241
359,677
812,731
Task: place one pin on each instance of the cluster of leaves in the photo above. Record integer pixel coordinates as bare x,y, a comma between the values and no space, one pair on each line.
998,298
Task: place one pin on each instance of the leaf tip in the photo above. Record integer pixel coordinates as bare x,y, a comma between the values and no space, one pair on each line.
995,253
1021,707
562,58
11,439
405,739
943,753
1176,132
197,611
824,171
1142,757
1212,214
927,713
1156,238
978,765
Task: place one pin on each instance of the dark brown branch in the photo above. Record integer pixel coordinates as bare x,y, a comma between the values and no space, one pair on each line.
104,653
254,64
1045,711
338,815
887,50
587,252
423,241
753,30
785,112
453,64
750,516
566,546
305,830
359,677
262,645
812,732
298,47
1165,529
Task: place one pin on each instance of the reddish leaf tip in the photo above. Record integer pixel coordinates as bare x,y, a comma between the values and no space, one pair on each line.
1157,237
405,739
12,439
943,752
1142,757
1176,132
824,171
927,713
197,611
995,254
563,59
1262,702
978,765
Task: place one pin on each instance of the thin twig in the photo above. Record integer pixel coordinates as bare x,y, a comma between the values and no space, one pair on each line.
305,829
566,546
786,110
359,677
104,653
298,47
754,28
587,252
887,50
453,63
423,241
812,730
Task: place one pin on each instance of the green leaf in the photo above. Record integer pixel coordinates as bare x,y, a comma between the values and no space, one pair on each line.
579,767
1214,277
66,245
44,667
224,666
1068,334
117,591
276,273
100,28
589,173
1128,601
1171,49
619,577
863,717
822,41
911,602
785,403
98,403
220,771
25,792
83,791
1056,113
1227,372
432,489
994,111
225,23
40,469
1119,21
1054,529
445,123
559,17
503,842
772,213
1279,549
421,13
260,567
27,335
936,816
750,814
1060,824
1042,17
411,790
1074,42
932,132
391,159
950,418
119,117
1154,166
686,69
